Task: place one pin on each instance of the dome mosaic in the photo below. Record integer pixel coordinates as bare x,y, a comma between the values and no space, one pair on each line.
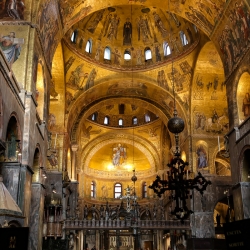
132,38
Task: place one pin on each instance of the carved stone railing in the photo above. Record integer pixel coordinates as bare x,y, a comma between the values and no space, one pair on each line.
124,224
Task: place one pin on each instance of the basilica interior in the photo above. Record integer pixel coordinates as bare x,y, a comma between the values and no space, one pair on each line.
87,92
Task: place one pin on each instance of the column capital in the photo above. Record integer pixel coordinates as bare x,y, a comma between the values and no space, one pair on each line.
74,147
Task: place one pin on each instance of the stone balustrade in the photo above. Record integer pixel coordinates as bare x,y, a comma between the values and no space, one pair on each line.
125,224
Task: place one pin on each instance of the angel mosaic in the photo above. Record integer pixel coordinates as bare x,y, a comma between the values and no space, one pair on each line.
75,80
93,23
160,26
150,131
197,17
143,29
111,26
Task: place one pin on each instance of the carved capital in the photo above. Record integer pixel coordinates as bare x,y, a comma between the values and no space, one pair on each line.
74,147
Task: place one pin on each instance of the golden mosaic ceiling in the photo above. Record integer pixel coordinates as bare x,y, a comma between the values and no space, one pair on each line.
98,84
128,31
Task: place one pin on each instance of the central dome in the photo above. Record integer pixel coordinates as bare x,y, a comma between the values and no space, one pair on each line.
132,37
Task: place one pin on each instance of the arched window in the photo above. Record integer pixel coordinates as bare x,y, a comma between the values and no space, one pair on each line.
135,121
148,54
120,122
94,116
166,49
74,36
106,120
107,53
246,166
93,189
183,37
127,55
13,146
118,190
144,190
88,48
147,118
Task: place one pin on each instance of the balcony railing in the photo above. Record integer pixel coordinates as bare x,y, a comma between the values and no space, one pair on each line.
125,224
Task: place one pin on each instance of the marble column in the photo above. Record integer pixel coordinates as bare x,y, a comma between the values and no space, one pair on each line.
241,199
81,236
36,216
117,239
84,240
202,220
202,225
97,239
160,237
155,239
101,240
74,148
73,199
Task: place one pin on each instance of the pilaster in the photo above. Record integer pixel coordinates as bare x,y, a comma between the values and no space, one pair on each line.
36,216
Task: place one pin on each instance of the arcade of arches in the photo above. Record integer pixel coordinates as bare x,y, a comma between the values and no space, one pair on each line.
86,92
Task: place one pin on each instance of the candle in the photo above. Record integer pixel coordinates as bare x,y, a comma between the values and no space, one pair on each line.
55,141
187,174
219,143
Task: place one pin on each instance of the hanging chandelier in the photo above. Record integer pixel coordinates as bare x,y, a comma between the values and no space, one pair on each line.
132,206
178,181
178,177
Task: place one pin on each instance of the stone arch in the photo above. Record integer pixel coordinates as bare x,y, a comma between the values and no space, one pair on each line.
164,112
13,138
14,223
221,163
201,149
37,165
142,145
209,93
243,97
244,164
233,102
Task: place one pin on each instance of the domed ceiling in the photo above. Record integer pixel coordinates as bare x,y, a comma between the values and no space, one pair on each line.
118,37
97,50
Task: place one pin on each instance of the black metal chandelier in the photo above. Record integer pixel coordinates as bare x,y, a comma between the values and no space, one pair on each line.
178,174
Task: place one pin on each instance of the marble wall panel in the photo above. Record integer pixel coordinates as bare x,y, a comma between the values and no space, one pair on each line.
17,180
18,221
55,178
202,225
11,177
241,197
245,194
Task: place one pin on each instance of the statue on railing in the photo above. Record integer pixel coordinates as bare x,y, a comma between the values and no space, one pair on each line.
85,212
